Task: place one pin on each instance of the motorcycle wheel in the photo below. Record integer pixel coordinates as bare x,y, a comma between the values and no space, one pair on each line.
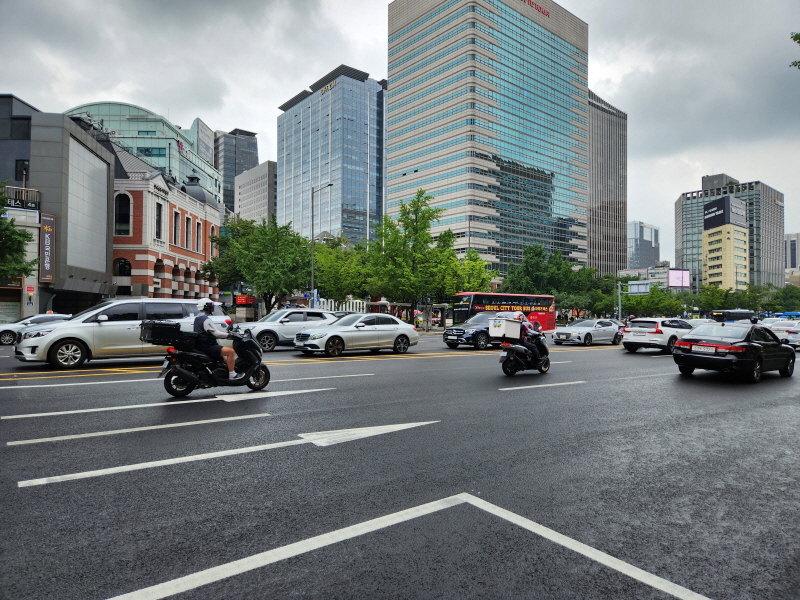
545,366
509,369
259,379
176,386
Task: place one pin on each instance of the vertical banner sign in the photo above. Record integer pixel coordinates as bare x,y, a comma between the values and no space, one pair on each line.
47,248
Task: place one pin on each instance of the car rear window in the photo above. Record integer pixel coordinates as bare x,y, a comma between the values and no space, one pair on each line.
728,331
644,324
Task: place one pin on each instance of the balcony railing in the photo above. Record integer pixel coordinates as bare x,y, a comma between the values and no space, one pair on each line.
19,197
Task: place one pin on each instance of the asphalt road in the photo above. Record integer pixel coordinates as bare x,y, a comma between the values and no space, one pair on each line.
610,477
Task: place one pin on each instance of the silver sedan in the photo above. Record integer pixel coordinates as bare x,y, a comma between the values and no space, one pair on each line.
588,331
372,332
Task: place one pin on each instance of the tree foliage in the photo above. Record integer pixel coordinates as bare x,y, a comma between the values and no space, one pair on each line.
340,270
796,39
13,244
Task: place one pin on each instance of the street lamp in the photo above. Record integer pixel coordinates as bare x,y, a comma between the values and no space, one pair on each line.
313,295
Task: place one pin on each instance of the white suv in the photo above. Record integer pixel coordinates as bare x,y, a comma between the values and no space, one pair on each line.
654,333
280,327
108,330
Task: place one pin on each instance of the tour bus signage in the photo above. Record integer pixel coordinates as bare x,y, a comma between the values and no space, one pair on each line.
511,307
535,6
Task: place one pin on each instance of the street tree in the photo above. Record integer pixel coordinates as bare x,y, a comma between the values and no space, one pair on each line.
796,39
13,242
340,270
224,266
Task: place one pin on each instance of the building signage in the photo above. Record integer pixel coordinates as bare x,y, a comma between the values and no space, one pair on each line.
242,299
47,248
680,278
533,4
724,211
11,283
328,87
23,204
161,190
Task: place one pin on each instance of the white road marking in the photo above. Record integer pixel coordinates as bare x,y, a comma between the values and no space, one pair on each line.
25,387
118,431
320,438
559,362
544,385
251,396
237,567
238,397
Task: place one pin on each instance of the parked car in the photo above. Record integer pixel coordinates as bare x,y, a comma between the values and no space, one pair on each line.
742,348
280,327
372,332
654,333
587,332
108,330
8,331
770,320
472,332
793,337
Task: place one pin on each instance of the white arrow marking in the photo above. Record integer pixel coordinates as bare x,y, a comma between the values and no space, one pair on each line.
323,438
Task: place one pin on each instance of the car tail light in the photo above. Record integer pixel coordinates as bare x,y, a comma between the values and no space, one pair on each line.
626,329
682,344
415,329
657,330
731,349
171,350
505,344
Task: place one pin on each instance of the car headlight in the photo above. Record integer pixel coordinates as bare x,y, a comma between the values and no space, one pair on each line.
36,334
469,331
316,336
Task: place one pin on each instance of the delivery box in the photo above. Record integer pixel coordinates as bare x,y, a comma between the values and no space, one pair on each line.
504,329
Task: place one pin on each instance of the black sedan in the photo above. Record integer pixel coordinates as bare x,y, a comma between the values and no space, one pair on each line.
734,347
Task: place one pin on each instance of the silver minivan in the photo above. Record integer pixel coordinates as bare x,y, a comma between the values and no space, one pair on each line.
108,330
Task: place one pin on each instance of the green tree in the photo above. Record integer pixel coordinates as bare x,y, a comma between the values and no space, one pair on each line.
796,39
13,244
225,266
712,297
475,277
339,270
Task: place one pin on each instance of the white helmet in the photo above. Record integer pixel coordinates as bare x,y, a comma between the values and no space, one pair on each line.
206,304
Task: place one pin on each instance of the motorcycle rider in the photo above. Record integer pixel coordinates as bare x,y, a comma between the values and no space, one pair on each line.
207,338
528,333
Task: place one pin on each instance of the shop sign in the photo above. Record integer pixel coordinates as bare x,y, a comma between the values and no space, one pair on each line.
11,283
30,289
23,204
242,299
47,248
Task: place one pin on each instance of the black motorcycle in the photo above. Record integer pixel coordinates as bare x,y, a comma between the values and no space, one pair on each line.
516,357
185,368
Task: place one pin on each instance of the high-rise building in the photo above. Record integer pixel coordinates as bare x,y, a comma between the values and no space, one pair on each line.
725,244
643,245
234,153
333,134
257,192
765,217
175,151
791,258
608,187
488,112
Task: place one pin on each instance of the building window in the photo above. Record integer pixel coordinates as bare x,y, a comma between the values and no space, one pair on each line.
122,215
122,267
188,232
22,171
213,232
146,133
153,152
198,237
159,217
176,228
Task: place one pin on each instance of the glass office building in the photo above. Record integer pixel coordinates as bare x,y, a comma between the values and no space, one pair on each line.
234,153
644,248
765,221
333,134
488,112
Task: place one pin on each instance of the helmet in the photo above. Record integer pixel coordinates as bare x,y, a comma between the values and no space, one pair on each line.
206,305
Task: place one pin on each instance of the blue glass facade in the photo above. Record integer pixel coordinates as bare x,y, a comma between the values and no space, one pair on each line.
333,134
488,112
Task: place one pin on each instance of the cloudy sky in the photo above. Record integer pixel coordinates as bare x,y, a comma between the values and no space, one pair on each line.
706,83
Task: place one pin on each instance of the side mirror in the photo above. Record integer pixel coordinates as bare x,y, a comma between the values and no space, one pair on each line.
25,323
102,318
360,325
785,341
284,320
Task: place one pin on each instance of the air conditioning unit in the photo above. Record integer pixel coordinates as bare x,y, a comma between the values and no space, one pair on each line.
113,132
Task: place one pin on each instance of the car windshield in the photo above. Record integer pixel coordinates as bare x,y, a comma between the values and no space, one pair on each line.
276,316
88,310
644,324
481,317
728,331
582,323
348,320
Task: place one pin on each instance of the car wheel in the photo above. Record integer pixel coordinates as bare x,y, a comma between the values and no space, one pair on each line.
259,379
630,348
508,368
481,341
69,354
789,369
587,341
334,347
617,339
451,345
267,341
754,376
686,370
7,338
545,366
401,345
176,386
670,346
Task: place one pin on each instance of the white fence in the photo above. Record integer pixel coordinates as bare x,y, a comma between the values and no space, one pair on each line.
352,305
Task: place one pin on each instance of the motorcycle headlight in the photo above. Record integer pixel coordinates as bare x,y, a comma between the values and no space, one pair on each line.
316,336
36,334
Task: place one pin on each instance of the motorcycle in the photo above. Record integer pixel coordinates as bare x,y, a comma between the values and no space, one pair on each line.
516,357
185,368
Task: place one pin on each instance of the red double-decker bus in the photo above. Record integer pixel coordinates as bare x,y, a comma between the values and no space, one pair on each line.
541,309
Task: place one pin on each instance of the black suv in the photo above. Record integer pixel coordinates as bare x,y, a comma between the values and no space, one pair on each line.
474,331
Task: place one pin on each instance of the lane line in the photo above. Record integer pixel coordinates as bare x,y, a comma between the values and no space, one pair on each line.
134,429
544,385
243,396
256,561
251,396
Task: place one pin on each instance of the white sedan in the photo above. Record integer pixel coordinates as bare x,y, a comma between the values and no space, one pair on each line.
372,332
588,331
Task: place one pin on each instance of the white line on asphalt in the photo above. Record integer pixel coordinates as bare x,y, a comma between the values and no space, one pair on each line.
559,362
160,404
544,385
118,431
237,567
24,387
251,396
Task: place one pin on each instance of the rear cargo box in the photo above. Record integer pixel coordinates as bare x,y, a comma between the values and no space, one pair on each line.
504,329
167,333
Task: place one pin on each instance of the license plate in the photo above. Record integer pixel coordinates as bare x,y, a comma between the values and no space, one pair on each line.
503,356
704,349
452,337
164,366
562,335
639,333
